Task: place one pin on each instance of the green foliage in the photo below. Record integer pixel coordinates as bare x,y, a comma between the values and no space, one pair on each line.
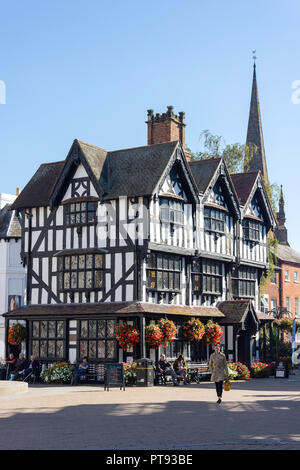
236,156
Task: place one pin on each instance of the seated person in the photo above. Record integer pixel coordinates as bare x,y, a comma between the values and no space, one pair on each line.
20,365
10,364
32,368
180,367
81,370
166,369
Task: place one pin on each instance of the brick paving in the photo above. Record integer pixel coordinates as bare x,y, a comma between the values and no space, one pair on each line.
258,414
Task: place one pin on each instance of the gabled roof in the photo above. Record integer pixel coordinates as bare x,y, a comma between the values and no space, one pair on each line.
203,171
207,171
135,171
236,311
130,172
9,224
243,183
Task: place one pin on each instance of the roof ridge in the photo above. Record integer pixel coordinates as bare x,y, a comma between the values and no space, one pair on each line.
143,146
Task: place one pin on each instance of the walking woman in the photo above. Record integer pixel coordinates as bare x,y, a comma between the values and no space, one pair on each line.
219,370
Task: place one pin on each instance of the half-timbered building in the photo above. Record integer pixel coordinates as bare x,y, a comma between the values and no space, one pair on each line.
135,235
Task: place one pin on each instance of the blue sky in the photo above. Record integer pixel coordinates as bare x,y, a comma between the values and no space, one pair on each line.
91,69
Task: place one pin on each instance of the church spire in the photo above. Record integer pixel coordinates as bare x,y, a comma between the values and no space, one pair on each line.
280,229
255,134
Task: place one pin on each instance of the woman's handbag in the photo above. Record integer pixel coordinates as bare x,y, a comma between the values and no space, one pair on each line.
227,386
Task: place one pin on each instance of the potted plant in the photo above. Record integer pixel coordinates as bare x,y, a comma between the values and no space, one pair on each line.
127,336
193,329
168,329
130,372
153,336
59,372
260,369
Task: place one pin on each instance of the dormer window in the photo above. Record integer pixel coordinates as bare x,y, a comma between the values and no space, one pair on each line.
171,211
251,230
214,220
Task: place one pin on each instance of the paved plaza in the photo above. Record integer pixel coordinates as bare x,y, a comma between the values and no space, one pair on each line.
258,414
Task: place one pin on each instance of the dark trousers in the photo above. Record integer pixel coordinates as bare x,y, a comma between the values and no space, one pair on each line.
219,388
78,373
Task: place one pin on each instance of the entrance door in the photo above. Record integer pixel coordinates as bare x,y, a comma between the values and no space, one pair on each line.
244,348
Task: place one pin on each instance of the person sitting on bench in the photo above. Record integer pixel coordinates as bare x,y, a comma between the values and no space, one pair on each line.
20,366
32,369
180,367
165,368
81,370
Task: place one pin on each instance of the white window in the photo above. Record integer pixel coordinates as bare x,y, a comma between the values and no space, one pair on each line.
296,276
288,303
287,275
296,306
273,304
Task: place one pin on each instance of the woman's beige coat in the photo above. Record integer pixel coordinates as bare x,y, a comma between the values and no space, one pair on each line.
218,367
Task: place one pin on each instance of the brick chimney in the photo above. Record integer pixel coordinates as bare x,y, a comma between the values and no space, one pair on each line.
166,127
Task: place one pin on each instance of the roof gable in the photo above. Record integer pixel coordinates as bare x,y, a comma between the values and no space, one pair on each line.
211,174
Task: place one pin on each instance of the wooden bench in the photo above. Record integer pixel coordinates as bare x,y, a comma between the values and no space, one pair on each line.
95,373
197,371
161,379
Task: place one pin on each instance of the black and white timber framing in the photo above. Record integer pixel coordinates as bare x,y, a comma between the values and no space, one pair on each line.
134,235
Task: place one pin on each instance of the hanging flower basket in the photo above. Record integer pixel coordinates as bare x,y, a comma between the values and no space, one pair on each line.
153,336
193,329
285,324
127,336
213,333
16,334
168,329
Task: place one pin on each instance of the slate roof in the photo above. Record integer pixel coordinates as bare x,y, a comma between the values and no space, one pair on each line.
117,308
286,253
136,171
9,224
129,172
234,310
243,184
203,171
38,190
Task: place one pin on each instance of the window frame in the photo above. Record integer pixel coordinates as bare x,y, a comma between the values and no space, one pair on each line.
81,213
97,338
206,276
244,283
91,270
251,230
161,271
210,219
47,338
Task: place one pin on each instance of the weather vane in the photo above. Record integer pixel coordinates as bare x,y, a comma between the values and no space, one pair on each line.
254,56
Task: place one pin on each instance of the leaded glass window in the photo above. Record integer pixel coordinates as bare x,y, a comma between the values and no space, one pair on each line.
163,272
80,272
214,220
97,339
244,282
207,276
81,213
48,339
